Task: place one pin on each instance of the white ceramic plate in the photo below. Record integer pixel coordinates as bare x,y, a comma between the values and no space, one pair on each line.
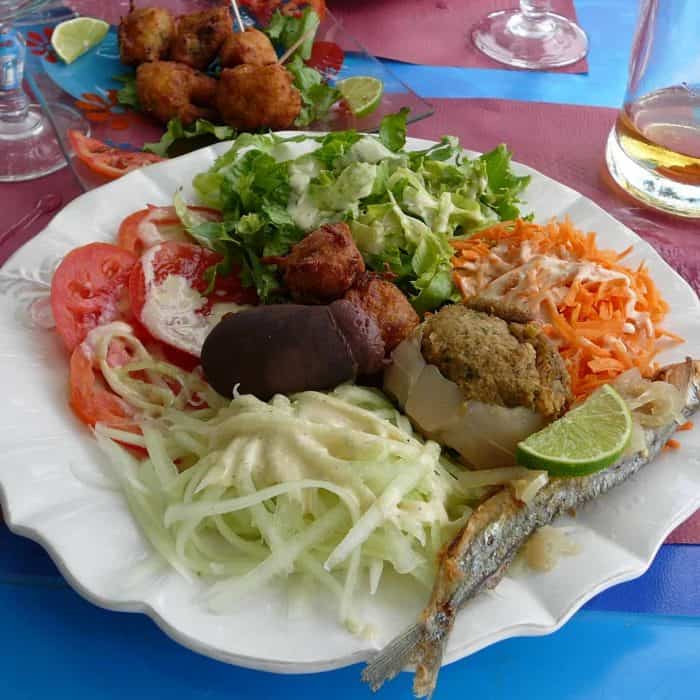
54,488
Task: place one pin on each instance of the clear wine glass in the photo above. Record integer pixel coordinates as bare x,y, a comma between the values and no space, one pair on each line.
29,147
530,37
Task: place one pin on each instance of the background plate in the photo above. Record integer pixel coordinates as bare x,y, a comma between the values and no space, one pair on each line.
89,85
54,490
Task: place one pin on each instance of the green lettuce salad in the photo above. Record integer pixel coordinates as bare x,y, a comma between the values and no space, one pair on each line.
403,207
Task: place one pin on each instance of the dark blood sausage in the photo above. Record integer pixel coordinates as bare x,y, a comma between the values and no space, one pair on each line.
283,349
362,334
387,305
322,266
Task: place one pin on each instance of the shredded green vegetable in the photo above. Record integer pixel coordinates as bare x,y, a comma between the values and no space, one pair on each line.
334,487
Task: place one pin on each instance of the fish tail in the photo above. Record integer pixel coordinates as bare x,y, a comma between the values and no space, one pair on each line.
430,652
423,644
391,660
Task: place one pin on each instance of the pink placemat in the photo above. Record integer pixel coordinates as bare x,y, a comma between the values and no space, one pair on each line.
539,134
429,32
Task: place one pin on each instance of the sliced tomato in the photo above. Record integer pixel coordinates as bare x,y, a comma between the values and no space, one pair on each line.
168,289
90,398
90,288
327,58
148,227
107,160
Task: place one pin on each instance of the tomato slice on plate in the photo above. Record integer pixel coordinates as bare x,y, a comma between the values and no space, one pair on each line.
148,227
89,289
326,57
90,398
168,295
107,160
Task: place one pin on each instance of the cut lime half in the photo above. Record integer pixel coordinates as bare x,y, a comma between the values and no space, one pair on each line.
362,93
74,37
588,438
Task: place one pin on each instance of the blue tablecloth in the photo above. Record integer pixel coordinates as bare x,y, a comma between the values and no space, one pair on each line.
639,639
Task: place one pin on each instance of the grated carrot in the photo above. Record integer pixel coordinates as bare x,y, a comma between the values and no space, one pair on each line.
672,444
688,425
588,319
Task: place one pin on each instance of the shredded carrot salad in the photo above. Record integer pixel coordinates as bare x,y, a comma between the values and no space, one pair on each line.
602,315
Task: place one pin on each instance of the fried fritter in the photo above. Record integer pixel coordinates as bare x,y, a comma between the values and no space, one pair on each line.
251,47
200,36
256,97
322,266
498,362
167,90
145,35
387,305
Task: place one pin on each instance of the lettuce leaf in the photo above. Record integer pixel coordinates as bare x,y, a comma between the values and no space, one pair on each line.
286,30
317,96
179,139
127,94
404,208
392,130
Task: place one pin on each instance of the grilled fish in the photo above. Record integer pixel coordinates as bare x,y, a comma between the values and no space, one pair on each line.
480,554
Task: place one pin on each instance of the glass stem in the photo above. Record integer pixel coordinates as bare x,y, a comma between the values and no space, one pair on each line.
535,9
13,100
533,20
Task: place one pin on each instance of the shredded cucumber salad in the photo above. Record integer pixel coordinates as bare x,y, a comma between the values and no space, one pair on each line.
333,486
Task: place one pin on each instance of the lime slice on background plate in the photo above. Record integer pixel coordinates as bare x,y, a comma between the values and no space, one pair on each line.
74,37
588,438
362,93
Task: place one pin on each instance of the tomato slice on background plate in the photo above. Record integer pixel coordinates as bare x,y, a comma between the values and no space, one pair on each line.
89,289
148,227
167,289
106,160
327,58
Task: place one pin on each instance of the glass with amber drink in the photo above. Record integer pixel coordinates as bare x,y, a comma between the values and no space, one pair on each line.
653,151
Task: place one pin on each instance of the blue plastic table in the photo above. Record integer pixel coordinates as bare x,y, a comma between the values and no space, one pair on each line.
639,639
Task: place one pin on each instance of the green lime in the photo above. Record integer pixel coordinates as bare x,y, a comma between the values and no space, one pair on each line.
362,94
74,37
588,438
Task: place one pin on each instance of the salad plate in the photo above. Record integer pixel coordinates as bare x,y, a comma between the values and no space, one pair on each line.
56,486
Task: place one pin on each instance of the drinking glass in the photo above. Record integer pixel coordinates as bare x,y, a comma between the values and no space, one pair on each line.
530,37
653,151
28,144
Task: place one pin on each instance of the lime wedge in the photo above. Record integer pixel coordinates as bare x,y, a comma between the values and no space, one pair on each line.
588,438
362,94
74,37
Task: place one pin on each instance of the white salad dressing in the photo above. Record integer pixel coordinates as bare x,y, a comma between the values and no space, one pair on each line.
369,150
172,314
532,281
151,229
172,311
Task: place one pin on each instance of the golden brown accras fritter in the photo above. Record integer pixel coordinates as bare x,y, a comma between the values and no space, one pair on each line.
168,90
200,36
322,266
145,34
251,47
386,304
258,97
